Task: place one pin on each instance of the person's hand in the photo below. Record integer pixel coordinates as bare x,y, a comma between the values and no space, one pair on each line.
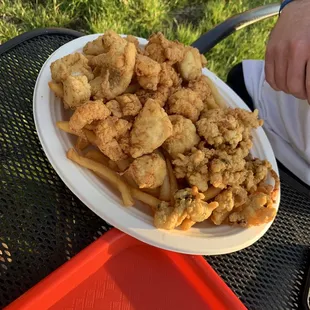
287,61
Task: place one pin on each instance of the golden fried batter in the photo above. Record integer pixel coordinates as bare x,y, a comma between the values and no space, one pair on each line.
147,72
76,91
71,65
201,87
227,126
109,133
169,77
185,102
117,67
202,167
184,136
150,129
194,167
87,113
188,205
94,47
228,200
258,210
148,171
125,105
162,50
191,65
160,95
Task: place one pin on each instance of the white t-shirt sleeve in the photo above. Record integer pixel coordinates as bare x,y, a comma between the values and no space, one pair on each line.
287,120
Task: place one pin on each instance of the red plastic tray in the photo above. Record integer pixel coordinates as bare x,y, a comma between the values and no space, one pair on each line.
118,272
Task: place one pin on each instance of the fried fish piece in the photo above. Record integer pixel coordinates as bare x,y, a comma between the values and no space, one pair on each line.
148,171
162,50
117,67
125,105
185,102
147,72
71,65
87,113
184,136
95,47
76,91
190,67
150,129
109,133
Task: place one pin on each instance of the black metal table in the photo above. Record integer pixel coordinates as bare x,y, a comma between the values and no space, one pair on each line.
42,224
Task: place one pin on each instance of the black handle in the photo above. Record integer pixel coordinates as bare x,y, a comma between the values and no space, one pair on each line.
208,40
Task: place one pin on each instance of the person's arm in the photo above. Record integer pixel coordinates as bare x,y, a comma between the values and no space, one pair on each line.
287,58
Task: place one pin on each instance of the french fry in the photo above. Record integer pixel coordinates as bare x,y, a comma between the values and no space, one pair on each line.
98,157
105,173
152,191
165,190
150,200
218,98
64,126
91,137
101,158
81,143
57,88
172,180
211,192
187,224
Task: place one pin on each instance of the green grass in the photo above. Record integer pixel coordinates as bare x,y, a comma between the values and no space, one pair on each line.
184,20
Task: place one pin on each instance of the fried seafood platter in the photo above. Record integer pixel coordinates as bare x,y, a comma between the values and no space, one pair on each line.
151,125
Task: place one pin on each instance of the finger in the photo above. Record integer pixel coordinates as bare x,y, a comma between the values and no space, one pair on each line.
270,67
281,65
308,81
296,72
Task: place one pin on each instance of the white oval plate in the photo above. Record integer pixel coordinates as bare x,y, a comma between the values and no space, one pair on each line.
204,238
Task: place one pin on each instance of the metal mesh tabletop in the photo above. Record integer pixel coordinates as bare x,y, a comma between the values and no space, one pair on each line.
42,224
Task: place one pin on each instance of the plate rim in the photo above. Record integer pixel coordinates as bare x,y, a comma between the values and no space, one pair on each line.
168,240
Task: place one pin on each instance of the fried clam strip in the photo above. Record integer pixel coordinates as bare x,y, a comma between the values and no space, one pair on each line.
188,205
257,210
227,127
227,200
187,103
105,173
